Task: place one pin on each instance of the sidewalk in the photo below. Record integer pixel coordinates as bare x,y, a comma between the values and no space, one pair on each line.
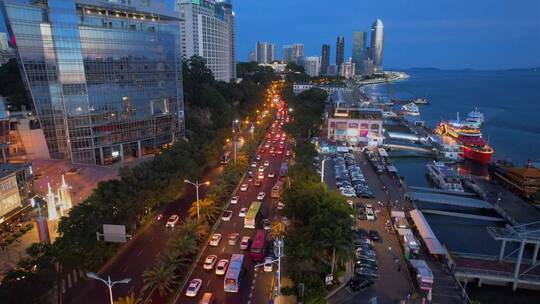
15,251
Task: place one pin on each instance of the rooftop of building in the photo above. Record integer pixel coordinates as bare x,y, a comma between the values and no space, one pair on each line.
7,169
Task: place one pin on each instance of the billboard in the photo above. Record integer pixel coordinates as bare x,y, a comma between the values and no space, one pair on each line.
114,233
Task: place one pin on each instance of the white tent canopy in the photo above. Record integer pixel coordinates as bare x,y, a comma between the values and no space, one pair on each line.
432,243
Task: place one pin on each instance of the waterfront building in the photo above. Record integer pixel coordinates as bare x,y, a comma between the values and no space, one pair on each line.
377,44
252,56
331,70
330,89
359,51
105,78
207,30
347,69
16,188
266,52
292,52
325,59
340,51
351,122
311,64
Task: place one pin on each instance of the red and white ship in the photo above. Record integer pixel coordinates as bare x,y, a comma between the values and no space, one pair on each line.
473,144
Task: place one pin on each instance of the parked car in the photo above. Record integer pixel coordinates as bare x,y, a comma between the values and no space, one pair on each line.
359,284
374,235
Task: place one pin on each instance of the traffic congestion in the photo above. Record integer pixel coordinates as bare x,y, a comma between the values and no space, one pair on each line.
225,271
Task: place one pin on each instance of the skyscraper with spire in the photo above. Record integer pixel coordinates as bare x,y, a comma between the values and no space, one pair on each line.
340,51
377,44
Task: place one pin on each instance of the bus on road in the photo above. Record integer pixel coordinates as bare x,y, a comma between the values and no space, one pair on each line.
252,215
256,252
233,276
277,190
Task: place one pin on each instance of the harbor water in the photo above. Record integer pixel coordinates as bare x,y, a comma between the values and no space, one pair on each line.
510,101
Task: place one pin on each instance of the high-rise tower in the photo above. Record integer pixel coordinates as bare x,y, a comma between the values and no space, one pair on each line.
340,51
359,51
377,44
325,58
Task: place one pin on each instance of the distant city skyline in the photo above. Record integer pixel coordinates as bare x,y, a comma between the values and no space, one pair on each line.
444,34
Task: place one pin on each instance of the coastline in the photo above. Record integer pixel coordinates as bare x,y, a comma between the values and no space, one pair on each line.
391,76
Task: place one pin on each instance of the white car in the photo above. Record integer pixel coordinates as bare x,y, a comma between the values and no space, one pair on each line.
370,215
261,169
172,221
210,262
193,287
242,212
280,205
268,265
222,267
271,174
227,215
244,244
234,200
266,163
244,187
254,164
260,176
233,238
261,196
214,240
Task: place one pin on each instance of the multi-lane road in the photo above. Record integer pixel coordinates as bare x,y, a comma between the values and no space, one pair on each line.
137,255
255,285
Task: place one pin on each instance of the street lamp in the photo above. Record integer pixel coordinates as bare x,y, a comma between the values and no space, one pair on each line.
108,282
322,169
234,138
197,185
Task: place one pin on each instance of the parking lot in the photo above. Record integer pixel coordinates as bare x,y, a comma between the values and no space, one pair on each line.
379,257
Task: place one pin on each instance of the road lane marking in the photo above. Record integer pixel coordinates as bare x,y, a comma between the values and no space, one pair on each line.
223,249
140,251
152,239
125,268
234,224
207,284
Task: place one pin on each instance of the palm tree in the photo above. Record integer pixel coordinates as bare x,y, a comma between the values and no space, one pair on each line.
170,257
334,241
208,210
161,277
193,227
129,299
184,245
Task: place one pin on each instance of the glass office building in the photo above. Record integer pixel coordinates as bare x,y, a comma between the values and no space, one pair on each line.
104,76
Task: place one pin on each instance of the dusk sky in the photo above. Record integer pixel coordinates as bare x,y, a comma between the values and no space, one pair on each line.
451,34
